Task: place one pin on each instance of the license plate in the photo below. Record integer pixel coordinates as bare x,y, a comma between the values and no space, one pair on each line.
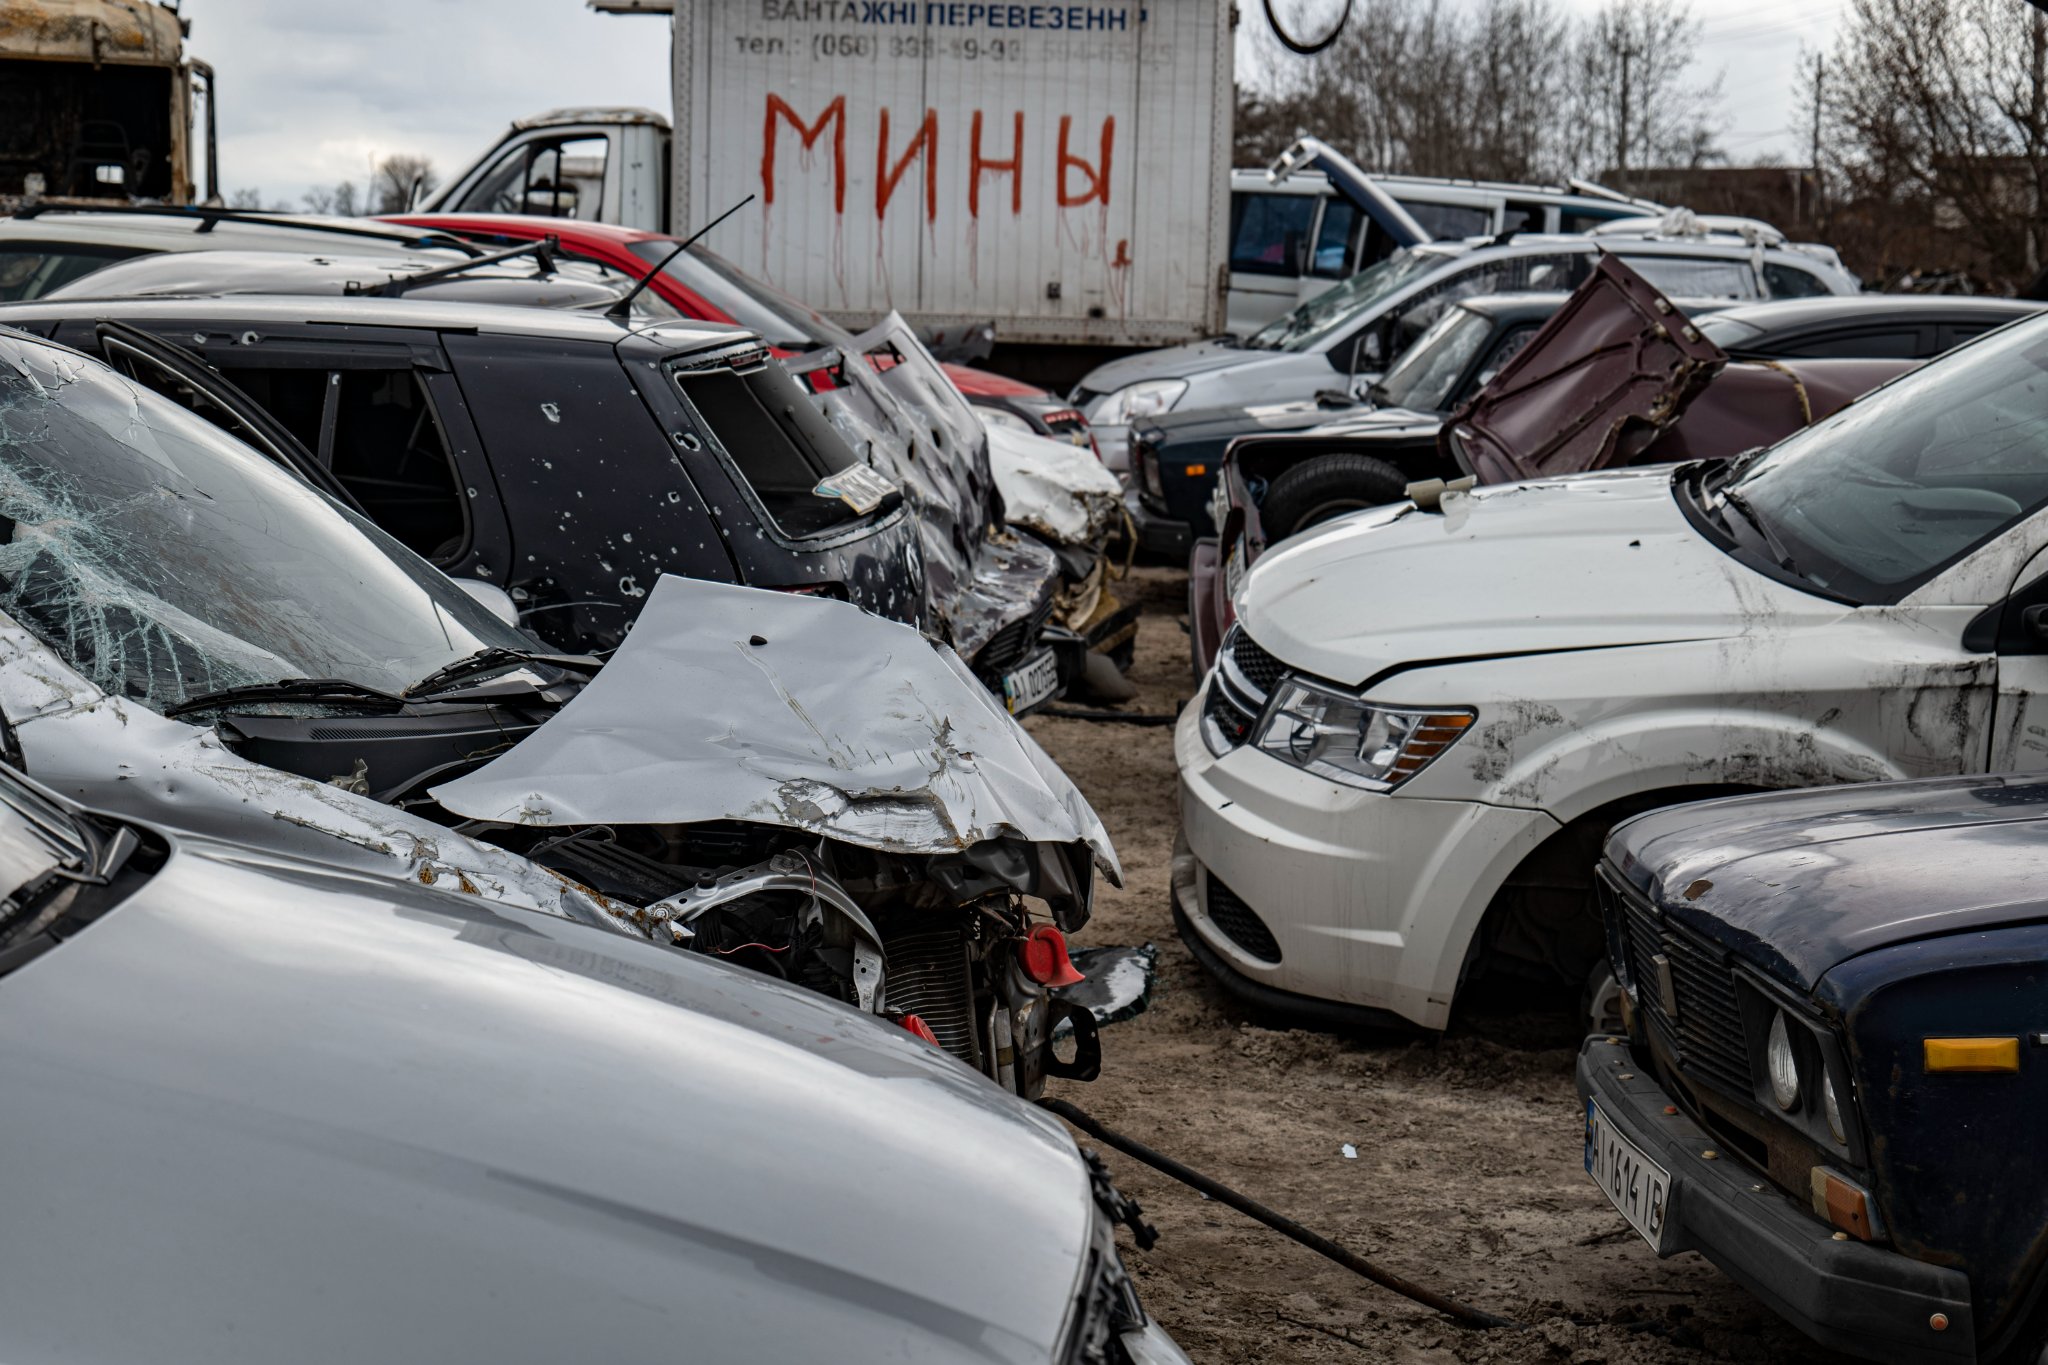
1637,1186
1233,570
1032,682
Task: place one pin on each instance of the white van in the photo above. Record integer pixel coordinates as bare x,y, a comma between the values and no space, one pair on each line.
1315,218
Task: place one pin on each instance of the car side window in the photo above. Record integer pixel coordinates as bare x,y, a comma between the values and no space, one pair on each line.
1267,232
1872,343
1696,278
1336,239
29,271
1451,221
376,431
1952,334
1515,274
1506,349
552,177
1521,217
1790,282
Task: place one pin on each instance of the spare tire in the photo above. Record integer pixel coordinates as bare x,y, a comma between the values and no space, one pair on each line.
1326,486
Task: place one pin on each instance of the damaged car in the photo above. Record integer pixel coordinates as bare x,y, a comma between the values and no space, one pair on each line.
1397,777
1515,386
193,635
298,1112
1832,1038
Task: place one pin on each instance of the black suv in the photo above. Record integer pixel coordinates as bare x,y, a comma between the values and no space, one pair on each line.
570,458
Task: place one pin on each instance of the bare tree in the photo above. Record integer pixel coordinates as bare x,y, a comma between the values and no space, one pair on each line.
1634,105
392,187
345,200
1934,136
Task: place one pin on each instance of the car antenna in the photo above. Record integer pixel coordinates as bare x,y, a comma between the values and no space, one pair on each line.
622,306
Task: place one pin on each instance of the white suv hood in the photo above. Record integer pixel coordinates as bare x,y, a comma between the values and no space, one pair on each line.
1585,562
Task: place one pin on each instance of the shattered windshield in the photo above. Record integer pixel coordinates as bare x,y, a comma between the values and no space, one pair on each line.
1422,379
1328,312
1876,500
163,560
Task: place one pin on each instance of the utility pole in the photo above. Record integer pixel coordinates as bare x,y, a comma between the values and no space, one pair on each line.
1820,76
1621,124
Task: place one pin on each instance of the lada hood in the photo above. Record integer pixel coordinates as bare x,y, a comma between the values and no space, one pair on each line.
1799,882
1591,562
730,703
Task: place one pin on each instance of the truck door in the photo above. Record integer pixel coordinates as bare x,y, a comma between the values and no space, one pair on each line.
552,173
1270,233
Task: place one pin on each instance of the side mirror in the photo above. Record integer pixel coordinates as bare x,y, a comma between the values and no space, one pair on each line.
494,599
2034,620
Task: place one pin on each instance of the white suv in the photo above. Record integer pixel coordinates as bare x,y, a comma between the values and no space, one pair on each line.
1398,775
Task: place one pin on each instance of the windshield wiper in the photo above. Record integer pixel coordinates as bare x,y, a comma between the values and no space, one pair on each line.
289,689
1782,557
497,660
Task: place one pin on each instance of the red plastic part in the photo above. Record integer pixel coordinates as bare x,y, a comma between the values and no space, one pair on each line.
1044,957
914,1025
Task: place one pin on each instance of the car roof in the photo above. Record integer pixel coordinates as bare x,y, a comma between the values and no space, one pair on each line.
180,229
205,274
570,230
1781,313
358,311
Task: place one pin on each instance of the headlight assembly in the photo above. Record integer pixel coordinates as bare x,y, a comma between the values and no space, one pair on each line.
1782,1064
1832,1109
1335,735
1146,398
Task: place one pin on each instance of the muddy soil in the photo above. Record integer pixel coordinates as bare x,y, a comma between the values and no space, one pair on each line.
1468,1174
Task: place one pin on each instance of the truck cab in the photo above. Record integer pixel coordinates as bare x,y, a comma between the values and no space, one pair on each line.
593,165
97,106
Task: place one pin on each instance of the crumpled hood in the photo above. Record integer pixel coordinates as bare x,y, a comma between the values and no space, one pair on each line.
1054,488
731,703
1594,561
1799,882
336,1118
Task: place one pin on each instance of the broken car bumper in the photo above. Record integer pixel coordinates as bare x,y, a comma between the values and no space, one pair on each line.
1304,886
1848,1295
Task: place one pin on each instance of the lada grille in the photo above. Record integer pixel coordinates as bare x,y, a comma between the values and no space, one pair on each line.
1703,1034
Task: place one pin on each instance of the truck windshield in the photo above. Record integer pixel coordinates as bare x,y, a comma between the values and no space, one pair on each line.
1876,500
162,559
1329,312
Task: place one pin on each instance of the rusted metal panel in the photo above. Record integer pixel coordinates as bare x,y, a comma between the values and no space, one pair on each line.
89,31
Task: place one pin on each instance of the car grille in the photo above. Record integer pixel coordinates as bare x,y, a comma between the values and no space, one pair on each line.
1705,1039
1010,644
1260,669
1228,912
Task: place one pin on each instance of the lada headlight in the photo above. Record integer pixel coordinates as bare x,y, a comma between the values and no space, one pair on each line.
1335,735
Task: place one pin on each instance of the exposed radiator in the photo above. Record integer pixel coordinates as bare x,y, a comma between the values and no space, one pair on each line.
928,977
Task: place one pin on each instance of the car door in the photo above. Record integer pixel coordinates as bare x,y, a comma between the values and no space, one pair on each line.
551,173
378,425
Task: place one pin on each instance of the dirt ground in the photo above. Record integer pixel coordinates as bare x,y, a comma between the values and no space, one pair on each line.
1468,1175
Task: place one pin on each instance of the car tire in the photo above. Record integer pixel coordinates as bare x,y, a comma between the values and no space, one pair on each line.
1324,487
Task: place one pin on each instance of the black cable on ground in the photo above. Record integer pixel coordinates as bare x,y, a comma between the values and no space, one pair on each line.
1084,713
1280,1223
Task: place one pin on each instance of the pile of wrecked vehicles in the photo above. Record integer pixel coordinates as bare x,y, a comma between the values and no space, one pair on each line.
486,809
1446,744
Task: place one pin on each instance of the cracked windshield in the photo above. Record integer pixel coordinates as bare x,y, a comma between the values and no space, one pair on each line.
164,560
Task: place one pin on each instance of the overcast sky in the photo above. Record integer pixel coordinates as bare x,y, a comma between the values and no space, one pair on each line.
312,94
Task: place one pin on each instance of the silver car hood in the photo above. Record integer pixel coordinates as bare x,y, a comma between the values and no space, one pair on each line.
299,1114
730,703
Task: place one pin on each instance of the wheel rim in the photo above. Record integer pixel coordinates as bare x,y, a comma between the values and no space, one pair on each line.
1332,507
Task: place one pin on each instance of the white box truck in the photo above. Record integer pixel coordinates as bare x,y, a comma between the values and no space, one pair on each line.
1059,170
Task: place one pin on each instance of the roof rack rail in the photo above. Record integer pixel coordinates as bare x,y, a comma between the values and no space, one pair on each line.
209,217
542,251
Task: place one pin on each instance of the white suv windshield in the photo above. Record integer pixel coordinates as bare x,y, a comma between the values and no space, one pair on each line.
1877,499
162,559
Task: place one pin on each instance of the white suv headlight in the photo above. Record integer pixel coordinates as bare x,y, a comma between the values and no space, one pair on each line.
1335,735
1146,398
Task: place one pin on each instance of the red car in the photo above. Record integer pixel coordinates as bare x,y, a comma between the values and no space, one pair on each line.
703,285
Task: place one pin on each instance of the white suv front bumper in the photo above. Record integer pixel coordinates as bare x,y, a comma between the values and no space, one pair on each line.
1367,899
